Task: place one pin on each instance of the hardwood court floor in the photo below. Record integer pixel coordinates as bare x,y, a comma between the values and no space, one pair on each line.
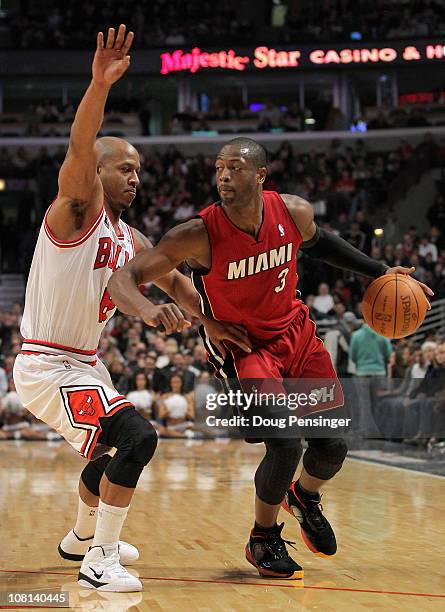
191,518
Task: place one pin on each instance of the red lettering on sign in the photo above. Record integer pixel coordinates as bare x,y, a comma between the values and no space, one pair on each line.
196,59
435,51
411,53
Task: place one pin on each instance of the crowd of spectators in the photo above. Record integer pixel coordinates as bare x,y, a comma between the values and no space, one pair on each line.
343,183
49,118
156,23
224,116
412,408
159,23
401,387
400,117
346,185
338,20
131,113
158,375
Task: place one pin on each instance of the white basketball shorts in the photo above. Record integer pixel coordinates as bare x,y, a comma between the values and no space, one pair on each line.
68,395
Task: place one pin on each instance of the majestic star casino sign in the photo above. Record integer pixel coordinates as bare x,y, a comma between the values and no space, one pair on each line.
261,57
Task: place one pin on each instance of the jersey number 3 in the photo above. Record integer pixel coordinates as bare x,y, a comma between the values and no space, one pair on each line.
106,306
282,277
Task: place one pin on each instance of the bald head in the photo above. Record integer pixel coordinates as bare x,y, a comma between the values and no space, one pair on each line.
249,149
118,167
109,147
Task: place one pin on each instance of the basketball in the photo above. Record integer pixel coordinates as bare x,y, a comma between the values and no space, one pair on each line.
394,305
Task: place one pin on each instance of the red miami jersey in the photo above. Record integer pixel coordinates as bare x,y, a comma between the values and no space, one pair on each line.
251,282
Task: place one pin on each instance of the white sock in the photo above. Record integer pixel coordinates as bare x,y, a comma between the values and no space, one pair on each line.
86,520
109,524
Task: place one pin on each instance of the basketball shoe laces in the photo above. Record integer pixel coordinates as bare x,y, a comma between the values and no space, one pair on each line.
276,546
112,561
314,513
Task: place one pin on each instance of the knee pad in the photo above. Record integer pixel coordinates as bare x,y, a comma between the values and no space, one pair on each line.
136,443
324,457
92,473
275,472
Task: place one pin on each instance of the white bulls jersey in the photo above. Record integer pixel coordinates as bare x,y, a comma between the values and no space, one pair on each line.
67,302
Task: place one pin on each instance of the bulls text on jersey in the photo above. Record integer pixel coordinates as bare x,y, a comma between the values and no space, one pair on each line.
108,254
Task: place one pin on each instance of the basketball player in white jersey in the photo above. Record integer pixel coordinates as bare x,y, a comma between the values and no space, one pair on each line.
58,376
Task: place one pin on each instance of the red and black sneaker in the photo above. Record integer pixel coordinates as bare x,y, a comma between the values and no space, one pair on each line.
316,531
267,552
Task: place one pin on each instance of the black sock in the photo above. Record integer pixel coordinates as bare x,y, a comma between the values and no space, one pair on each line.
259,529
306,494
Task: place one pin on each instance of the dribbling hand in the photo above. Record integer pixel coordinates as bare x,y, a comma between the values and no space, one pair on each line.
112,60
402,270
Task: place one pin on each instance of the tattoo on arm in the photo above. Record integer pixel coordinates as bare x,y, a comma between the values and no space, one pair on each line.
78,208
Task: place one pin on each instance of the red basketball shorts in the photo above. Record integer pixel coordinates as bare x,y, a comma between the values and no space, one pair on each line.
294,362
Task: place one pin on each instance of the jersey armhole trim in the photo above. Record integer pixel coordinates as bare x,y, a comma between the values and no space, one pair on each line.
133,242
283,204
202,271
68,244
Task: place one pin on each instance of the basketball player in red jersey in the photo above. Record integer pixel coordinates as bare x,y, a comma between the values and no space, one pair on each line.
242,252
58,376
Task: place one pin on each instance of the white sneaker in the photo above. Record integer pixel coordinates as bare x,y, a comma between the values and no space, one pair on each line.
74,548
101,570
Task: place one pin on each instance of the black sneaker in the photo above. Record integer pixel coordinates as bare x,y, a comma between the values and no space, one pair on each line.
316,531
267,552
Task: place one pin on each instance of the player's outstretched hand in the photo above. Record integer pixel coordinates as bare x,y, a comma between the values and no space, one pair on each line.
401,270
111,59
218,331
167,317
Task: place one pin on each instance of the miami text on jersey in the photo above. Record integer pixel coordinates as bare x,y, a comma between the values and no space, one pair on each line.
259,263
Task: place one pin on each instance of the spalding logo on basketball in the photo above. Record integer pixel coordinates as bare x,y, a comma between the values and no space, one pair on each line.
394,305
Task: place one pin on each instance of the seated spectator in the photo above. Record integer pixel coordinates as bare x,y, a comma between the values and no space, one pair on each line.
19,424
422,359
152,223
14,415
184,212
3,382
355,236
399,416
345,184
388,255
338,336
425,416
270,117
141,396
323,302
118,376
427,248
176,408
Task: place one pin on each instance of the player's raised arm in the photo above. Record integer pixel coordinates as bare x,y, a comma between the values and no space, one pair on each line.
80,194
